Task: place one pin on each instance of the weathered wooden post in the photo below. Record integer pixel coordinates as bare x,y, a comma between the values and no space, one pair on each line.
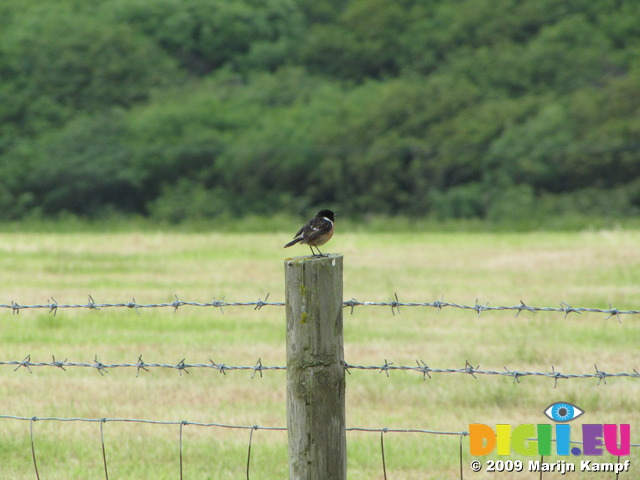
315,373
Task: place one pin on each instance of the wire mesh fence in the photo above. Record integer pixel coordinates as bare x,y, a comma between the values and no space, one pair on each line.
184,423
251,428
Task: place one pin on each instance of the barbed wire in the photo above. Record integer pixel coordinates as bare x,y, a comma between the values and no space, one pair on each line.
53,306
394,304
479,308
565,308
103,368
421,367
469,369
258,368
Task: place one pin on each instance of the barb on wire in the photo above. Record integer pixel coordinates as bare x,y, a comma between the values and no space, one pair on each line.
220,367
395,304
134,305
602,377
480,308
92,304
99,366
522,307
260,303
385,367
613,312
182,367
515,375
565,308
258,368
53,306
556,376
219,304
176,303
424,368
141,365
468,368
24,363
58,364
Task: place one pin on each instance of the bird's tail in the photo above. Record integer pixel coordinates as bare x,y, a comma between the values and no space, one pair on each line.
293,242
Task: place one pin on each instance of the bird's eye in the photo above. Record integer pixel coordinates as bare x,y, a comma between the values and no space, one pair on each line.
563,412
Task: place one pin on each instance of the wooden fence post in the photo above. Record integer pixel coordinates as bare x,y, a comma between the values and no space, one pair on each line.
315,372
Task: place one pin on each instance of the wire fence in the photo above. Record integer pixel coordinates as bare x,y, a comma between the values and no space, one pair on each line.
394,304
257,369
252,428
184,423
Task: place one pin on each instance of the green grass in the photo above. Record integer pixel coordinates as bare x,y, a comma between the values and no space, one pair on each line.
349,221
593,268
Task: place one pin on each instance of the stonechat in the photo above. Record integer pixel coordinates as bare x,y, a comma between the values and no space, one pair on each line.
315,232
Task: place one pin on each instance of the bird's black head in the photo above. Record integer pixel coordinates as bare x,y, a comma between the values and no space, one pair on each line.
327,213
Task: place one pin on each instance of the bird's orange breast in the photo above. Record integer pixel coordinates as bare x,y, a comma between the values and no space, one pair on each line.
322,239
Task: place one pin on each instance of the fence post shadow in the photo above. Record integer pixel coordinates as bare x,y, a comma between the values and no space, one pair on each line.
315,368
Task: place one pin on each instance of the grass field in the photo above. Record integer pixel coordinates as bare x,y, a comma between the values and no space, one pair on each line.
588,269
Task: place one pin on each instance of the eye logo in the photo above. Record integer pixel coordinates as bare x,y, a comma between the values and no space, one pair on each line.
562,412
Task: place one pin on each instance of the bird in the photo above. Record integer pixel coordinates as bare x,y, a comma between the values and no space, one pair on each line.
315,232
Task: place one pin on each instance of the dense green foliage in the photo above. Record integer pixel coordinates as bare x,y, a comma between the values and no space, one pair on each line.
181,109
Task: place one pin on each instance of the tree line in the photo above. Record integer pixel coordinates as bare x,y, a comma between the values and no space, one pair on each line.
447,109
